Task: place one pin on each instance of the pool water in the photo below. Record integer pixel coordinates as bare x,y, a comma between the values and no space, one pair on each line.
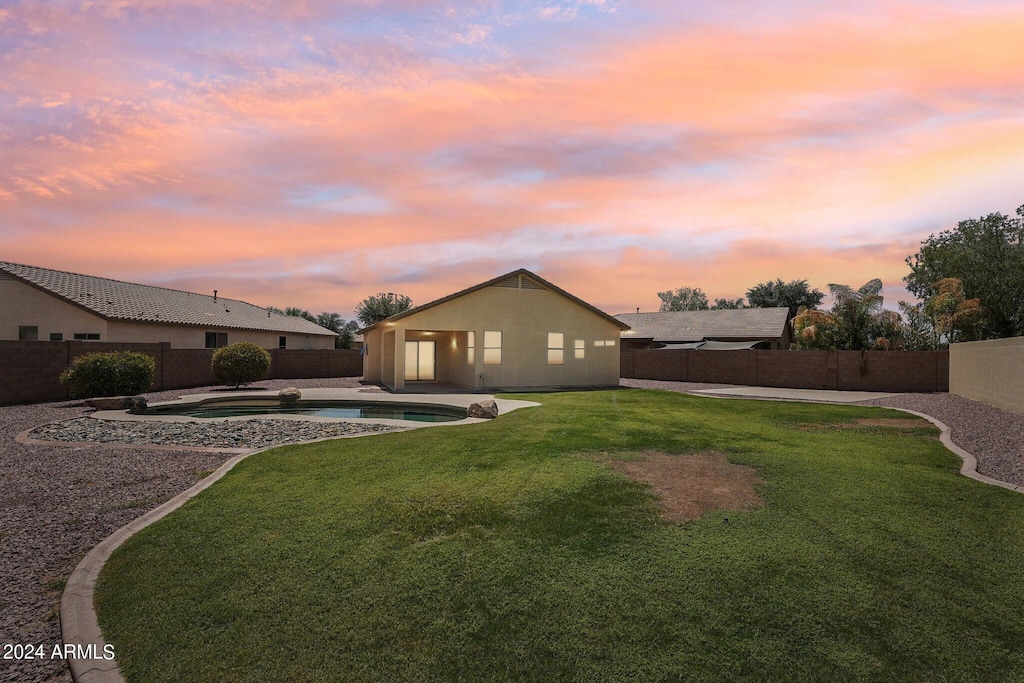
393,411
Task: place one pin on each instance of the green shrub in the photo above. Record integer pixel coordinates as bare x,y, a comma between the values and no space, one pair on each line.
240,363
118,373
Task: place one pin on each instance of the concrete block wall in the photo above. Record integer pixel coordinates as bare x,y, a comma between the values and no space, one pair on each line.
30,371
989,371
895,371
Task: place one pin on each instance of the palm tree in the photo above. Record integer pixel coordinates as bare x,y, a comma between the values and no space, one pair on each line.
856,314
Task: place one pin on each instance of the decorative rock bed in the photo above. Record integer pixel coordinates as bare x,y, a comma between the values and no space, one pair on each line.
254,433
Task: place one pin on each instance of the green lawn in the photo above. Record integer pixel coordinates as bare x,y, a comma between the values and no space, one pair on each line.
506,551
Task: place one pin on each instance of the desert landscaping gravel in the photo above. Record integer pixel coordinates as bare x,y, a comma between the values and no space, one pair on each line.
247,434
57,502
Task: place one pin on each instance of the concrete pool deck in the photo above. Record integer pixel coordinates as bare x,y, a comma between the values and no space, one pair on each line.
322,394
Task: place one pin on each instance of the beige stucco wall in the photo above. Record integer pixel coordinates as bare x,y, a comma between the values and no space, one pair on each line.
185,337
989,371
21,304
524,317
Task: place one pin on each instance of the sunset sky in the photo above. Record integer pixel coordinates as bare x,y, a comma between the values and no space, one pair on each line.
311,153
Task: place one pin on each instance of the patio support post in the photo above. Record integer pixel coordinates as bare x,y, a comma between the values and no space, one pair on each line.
399,359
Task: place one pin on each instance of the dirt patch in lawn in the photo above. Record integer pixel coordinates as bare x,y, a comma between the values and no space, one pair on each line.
690,485
915,423
888,422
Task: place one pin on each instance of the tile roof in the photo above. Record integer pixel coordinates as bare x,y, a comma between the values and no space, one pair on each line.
692,326
116,300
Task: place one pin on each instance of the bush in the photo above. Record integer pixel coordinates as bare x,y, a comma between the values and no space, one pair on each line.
240,363
119,373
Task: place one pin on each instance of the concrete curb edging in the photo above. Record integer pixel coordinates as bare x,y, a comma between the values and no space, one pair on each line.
78,621
970,466
79,624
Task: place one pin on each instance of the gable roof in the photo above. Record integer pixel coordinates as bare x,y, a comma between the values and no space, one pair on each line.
117,300
693,326
521,279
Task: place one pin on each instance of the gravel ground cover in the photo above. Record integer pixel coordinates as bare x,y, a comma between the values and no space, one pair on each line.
254,433
995,437
57,502
670,386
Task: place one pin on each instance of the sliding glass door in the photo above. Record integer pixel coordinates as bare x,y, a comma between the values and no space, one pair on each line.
419,360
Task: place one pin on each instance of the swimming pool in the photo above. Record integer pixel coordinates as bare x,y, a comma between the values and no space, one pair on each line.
416,412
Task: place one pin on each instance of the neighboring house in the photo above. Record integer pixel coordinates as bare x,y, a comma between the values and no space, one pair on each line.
39,304
720,329
517,331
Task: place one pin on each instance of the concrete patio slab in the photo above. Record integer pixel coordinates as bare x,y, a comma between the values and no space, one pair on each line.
816,395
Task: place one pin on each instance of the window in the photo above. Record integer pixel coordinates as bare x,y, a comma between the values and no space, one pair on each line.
492,347
609,342
28,333
215,340
86,336
56,336
282,342
580,349
556,345
471,348
599,342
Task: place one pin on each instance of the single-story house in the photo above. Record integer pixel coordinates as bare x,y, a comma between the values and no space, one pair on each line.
39,304
515,332
708,330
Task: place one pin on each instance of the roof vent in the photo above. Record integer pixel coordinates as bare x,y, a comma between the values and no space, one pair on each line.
215,295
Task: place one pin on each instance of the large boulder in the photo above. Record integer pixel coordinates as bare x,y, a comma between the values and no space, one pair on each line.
486,409
137,405
110,402
289,395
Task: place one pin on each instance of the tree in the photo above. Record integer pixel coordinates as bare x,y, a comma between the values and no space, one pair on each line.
721,304
377,307
683,299
947,317
856,321
814,330
345,338
332,321
792,295
987,255
300,313
855,311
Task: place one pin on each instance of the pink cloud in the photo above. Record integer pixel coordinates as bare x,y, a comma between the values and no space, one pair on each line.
656,157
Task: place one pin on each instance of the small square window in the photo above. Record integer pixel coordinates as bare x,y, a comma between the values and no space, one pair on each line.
216,340
28,333
579,349
282,342
56,336
87,336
